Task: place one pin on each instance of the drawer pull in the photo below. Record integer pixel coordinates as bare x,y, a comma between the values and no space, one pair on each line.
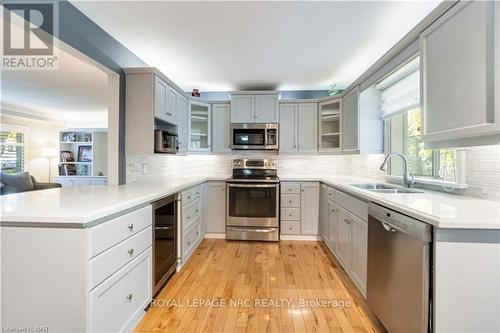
129,297
130,227
131,252
189,243
330,194
197,233
189,217
197,210
289,190
289,215
347,221
290,201
197,193
189,197
290,228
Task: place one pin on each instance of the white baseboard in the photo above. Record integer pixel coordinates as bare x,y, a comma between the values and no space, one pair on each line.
300,237
215,235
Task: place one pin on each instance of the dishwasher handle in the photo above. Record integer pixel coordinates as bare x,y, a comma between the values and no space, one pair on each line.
388,227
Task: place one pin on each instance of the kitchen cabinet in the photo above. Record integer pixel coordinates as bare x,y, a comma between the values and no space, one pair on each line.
254,108
343,237
298,127
221,128
266,109
330,126
322,212
299,214
309,200
359,251
199,126
182,122
332,221
350,120
152,101
216,207
460,67
203,215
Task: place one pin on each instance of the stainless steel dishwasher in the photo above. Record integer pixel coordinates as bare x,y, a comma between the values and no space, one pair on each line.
398,270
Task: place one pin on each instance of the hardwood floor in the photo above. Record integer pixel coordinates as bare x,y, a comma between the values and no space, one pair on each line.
252,273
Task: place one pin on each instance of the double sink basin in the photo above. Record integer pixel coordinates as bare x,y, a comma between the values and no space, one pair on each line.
384,188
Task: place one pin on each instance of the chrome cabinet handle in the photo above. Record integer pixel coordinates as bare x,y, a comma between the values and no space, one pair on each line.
290,228
289,215
130,226
129,297
189,217
289,190
290,201
347,221
131,252
189,197
197,233
197,210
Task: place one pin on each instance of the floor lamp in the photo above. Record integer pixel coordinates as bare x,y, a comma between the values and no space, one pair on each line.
49,152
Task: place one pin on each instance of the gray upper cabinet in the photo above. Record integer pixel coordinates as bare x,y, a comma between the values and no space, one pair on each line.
288,130
182,122
350,120
307,127
242,108
161,99
298,127
266,109
254,108
172,105
460,65
221,128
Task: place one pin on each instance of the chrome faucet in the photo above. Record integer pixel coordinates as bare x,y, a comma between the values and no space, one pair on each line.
408,180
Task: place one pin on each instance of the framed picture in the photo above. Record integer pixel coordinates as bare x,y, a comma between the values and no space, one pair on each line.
82,170
69,137
70,169
67,156
84,153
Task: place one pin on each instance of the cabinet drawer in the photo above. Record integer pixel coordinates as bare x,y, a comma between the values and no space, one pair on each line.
190,239
108,262
291,214
290,200
290,188
330,193
190,213
290,227
107,234
355,206
190,195
117,303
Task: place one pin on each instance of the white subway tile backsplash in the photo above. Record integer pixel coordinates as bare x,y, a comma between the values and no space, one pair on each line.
482,167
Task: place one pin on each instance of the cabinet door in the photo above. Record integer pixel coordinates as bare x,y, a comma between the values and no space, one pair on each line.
309,208
199,126
216,207
266,109
172,105
182,122
332,224
343,237
458,68
307,127
161,95
242,108
288,129
221,128
322,203
350,116
359,254
203,214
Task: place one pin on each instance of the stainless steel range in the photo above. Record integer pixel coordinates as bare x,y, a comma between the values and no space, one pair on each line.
253,201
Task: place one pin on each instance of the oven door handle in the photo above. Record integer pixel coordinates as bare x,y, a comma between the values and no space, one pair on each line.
253,185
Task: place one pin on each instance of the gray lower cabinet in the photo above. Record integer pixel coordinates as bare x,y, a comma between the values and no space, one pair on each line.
182,122
216,207
343,237
299,208
332,222
460,65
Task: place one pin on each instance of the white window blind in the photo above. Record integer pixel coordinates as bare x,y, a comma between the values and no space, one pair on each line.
401,90
12,148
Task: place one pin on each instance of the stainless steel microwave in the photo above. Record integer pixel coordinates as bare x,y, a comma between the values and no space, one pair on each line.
254,136
166,142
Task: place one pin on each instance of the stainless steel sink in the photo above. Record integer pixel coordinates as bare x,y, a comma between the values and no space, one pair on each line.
384,188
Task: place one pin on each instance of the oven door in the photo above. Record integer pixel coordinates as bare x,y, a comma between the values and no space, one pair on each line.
252,204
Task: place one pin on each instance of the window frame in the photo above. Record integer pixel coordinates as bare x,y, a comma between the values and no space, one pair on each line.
19,129
434,179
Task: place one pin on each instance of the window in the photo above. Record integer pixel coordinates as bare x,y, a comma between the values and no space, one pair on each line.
12,148
400,94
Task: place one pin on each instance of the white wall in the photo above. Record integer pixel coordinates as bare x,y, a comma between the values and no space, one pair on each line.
39,134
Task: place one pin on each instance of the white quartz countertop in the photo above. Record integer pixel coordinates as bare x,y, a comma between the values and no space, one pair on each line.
79,207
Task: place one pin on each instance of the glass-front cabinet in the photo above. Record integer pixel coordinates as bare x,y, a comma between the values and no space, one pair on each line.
330,125
199,126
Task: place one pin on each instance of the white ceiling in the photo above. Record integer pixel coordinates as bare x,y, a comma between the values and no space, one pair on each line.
76,91
217,46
